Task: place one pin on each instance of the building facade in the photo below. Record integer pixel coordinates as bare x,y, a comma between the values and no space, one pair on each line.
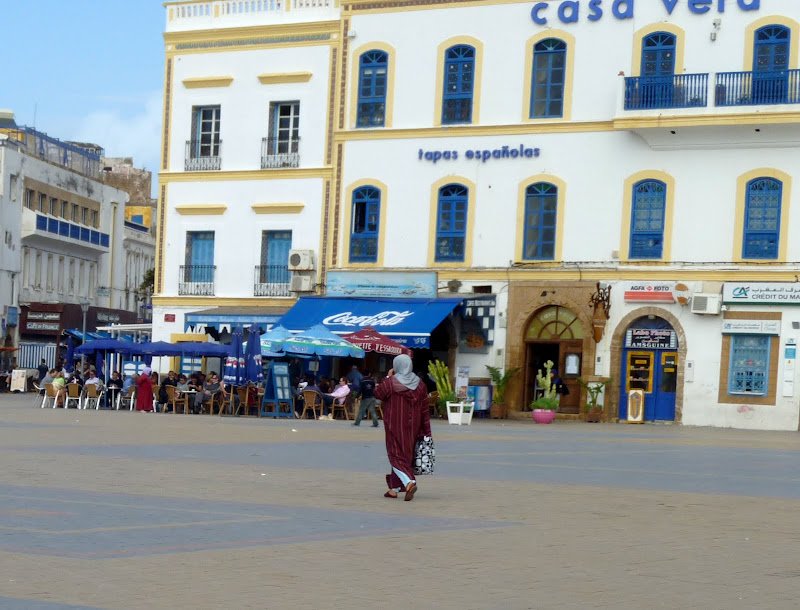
618,175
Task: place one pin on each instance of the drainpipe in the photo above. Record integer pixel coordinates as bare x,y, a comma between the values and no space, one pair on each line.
113,244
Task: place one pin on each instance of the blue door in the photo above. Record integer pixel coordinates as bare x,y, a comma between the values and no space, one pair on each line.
199,256
666,382
658,70
771,65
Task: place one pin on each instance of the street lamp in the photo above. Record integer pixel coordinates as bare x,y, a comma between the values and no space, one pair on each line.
85,310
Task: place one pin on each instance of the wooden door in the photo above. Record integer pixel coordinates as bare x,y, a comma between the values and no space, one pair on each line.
570,362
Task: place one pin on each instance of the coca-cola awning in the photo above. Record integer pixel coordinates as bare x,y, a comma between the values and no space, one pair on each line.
407,321
370,340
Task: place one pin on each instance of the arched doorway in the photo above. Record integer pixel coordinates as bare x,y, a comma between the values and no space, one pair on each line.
650,363
555,333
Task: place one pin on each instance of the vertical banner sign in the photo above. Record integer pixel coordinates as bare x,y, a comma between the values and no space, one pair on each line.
789,359
462,381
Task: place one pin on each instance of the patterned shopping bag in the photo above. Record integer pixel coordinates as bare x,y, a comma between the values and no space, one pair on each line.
424,456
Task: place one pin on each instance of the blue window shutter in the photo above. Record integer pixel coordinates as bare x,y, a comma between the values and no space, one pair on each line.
762,219
548,78
647,219
749,365
541,217
372,84
451,223
278,245
459,84
365,225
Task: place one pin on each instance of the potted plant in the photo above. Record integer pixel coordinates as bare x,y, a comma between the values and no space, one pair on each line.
500,381
545,407
592,411
440,373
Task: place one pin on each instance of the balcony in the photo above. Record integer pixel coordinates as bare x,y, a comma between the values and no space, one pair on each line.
271,281
37,227
203,156
765,88
280,152
661,92
196,280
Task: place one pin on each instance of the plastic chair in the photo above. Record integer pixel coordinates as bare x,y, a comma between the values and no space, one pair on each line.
73,395
312,401
174,401
92,393
50,393
39,393
217,402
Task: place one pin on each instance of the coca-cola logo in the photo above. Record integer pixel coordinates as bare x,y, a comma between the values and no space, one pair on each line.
385,318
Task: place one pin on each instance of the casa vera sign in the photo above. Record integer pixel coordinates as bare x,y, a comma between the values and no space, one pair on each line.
572,11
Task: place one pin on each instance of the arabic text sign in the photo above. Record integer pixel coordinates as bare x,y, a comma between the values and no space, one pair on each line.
761,293
387,285
751,327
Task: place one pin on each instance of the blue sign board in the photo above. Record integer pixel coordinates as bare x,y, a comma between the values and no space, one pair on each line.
13,316
381,284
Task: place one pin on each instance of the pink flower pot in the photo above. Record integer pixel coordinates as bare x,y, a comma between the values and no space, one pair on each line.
543,416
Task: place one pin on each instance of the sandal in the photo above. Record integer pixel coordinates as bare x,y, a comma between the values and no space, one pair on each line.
410,491
390,494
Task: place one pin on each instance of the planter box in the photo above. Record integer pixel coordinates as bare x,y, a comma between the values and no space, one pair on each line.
499,411
460,413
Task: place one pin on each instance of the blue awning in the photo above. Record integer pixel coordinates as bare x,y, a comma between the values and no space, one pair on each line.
407,321
228,318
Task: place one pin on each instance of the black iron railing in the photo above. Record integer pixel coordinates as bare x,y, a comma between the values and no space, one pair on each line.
271,281
203,155
280,152
196,280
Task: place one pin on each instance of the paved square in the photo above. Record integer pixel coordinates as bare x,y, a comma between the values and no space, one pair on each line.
127,510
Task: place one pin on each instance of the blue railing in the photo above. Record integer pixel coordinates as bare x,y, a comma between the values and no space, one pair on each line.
136,226
757,88
82,160
677,91
65,229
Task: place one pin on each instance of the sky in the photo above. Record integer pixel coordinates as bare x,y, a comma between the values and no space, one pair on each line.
87,70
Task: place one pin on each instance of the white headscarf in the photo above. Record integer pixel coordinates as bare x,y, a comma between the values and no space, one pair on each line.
403,372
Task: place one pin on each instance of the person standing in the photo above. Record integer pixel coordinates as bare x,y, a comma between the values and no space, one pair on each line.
406,419
366,389
354,378
144,391
43,370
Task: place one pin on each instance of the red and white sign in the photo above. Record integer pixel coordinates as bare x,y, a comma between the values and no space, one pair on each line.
649,292
169,317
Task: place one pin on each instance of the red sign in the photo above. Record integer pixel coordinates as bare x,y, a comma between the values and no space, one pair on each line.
169,317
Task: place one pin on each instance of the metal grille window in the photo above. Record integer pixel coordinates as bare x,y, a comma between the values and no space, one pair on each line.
207,123
541,211
549,73
366,224
451,223
459,84
372,83
749,365
647,219
762,219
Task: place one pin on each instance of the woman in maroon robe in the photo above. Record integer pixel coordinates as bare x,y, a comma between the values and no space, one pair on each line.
144,391
406,419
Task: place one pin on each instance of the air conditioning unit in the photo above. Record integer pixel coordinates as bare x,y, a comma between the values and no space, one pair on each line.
706,304
301,283
301,260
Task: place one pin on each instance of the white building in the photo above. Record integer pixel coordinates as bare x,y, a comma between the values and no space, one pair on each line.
66,242
534,150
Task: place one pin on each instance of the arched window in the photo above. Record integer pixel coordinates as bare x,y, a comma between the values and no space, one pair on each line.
762,219
549,72
372,84
647,219
365,225
541,211
771,65
459,84
451,223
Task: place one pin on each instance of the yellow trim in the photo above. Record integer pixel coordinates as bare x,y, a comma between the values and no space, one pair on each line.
627,206
221,301
171,14
638,38
232,176
465,131
284,77
278,208
356,58
476,91
651,357
741,198
206,82
183,337
161,227
652,272
750,39
216,11
471,212
753,118
561,203
201,209
527,91
348,212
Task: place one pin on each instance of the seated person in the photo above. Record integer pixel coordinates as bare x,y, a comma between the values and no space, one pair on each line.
211,388
339,395
60,385
93,379
130,382
172,379
115,386
324,385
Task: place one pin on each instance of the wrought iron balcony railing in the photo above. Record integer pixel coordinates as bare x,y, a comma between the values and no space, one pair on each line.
203,156
271,281
196,280
280,152
677,91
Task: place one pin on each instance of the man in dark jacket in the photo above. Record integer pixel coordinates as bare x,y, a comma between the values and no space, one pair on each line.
366,389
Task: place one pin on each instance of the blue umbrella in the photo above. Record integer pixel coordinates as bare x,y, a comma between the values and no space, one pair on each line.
98,364
271,341
234,363
320,341
70,355
103,345
252,357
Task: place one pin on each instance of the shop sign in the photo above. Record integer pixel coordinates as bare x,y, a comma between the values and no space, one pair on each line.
645,338
649,292
751,327
477,325
383,285
44,315
482,155
169,317
378,320
103,316
760,293
55,326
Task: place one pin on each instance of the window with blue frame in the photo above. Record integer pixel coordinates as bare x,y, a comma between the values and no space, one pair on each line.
364,232
372,83
749,365
199,256
541,213
647,219
762,219
451,223
549,73
459,84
